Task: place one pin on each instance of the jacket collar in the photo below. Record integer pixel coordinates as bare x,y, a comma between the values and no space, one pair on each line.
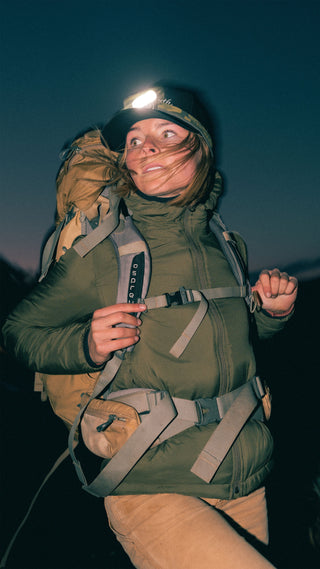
144,207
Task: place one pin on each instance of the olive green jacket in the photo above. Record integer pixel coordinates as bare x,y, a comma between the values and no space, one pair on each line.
47,329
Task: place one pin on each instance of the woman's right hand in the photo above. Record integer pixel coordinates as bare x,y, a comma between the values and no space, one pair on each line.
106,334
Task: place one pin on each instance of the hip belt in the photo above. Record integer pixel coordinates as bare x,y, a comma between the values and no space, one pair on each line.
163,417
198,412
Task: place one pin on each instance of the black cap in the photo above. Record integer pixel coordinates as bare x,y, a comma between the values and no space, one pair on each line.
180,105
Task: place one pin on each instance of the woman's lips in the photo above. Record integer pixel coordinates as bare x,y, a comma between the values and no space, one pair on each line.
151,168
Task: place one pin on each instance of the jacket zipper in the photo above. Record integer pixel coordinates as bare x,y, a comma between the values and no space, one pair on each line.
214,314
213,311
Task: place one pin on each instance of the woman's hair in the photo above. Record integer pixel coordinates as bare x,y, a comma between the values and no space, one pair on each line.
198,189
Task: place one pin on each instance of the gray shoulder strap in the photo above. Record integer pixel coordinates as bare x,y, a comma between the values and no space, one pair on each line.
134,262
134,267
49,249
229,248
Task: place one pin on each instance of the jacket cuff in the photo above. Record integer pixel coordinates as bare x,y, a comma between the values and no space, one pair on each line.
278,314
90,362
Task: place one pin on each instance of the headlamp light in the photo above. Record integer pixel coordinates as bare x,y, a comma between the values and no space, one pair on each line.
144,100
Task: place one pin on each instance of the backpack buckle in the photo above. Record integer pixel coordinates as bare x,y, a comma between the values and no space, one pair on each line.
208,411
179,297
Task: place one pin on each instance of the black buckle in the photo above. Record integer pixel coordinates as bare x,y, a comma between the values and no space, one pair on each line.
207,410
178,297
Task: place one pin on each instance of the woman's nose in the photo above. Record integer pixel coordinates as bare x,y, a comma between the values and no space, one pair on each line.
150,145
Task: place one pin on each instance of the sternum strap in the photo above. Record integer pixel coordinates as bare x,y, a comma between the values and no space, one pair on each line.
188,296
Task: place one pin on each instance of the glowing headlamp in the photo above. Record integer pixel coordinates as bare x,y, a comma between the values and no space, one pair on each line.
144,100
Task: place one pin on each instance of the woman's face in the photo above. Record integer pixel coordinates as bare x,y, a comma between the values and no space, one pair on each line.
152,172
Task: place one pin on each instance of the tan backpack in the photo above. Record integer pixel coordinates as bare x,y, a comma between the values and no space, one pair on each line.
87,168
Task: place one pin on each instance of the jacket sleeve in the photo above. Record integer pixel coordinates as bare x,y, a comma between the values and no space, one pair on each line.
268,325
46,330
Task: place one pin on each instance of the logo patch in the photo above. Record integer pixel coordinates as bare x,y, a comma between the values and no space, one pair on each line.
136,278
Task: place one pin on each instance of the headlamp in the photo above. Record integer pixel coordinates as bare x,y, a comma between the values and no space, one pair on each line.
144,100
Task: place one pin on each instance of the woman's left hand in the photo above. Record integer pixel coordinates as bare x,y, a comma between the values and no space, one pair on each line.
277,291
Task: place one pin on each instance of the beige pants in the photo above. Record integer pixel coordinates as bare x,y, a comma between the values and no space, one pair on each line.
172,531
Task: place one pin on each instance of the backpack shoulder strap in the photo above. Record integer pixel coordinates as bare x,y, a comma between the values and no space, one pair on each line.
134,269
49,249
231,251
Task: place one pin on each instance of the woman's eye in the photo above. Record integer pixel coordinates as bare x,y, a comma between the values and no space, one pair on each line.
168,134
134,142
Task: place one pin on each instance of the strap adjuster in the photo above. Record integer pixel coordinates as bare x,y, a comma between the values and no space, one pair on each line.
179,297
259,387
208,411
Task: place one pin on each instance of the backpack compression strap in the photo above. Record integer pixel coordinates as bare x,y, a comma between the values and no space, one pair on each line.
109,223
92,236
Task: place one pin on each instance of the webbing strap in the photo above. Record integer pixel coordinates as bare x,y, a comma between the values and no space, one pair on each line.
106,227
186,296
189,412
108,373
180,345
129,454
57,463
105,378
191,295
228,247
214,452
143,400
49,249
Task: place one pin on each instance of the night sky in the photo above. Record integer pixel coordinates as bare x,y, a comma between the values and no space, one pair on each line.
67,65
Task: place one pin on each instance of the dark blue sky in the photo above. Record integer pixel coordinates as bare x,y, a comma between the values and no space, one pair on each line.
67,65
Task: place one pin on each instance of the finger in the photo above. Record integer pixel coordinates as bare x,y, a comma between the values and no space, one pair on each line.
117,318
121,307
101,352
264,282
119,344
283,283
275,280
110,334
292,286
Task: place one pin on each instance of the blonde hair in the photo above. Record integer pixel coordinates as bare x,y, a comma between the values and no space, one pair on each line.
199,187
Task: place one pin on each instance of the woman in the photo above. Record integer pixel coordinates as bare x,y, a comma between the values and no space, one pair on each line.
164,514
